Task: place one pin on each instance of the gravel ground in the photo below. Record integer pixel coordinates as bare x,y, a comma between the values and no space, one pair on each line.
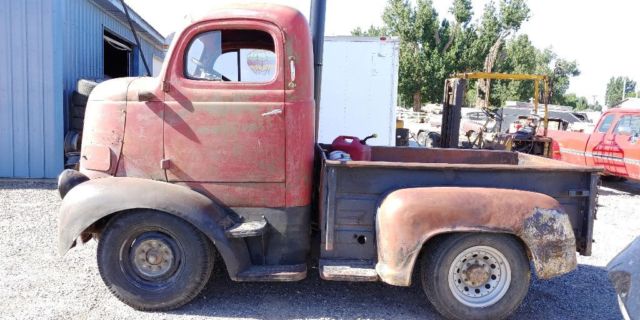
35,283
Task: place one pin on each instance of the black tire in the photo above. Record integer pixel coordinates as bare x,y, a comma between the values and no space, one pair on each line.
79,99
84,86
72,161
72,141
438,258
76,123
78,111
402,137
184,276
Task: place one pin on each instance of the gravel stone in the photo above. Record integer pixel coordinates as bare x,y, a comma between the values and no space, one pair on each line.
36,283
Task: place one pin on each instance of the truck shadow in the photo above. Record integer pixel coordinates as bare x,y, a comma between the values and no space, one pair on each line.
585,293
619,187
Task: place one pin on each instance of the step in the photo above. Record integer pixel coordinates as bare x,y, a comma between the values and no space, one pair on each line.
294,272
247,229
348,270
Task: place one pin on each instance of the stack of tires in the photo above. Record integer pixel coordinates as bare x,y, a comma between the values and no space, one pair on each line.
402,137
77,107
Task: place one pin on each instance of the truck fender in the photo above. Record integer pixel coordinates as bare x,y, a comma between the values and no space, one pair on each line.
408,218
93,200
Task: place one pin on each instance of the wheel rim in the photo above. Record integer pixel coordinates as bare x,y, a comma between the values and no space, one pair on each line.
150,259
479,276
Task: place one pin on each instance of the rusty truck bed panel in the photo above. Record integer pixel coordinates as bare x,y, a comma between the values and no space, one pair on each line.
350,192
409,218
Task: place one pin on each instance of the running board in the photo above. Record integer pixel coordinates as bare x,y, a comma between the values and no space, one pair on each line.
294,272
247,229
348,270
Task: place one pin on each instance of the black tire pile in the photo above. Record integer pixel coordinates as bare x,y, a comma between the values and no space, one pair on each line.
77,107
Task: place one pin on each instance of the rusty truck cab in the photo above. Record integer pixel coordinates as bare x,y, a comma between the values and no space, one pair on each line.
242,137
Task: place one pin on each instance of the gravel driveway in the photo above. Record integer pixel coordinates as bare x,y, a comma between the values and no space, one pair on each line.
35,283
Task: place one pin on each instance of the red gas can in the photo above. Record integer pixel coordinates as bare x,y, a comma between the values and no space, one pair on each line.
353,146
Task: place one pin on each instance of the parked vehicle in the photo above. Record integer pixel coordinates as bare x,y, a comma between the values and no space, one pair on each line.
195,162
613,145
625,276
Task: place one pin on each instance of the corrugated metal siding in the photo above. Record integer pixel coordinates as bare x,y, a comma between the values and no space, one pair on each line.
84,23
45,47
31,110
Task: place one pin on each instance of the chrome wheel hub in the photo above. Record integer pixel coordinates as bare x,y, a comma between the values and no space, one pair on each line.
479,276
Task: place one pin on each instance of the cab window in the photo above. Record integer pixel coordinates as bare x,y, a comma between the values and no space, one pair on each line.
628,125
231,56
606,123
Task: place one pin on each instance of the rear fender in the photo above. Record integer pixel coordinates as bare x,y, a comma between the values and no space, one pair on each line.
407,219
93,200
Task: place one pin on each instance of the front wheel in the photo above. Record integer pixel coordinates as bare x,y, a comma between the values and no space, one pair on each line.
154,261
476,276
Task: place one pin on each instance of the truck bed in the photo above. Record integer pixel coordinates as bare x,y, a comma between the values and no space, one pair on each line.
350,191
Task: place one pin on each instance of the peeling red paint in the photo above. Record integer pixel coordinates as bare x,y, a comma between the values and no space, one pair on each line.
212,135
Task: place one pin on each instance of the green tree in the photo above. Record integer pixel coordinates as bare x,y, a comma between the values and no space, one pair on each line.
432,49
615,88
521,56
373,31
596,106
561,78
495,27
575,102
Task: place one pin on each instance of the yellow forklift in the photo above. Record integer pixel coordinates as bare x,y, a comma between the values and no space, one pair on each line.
527,139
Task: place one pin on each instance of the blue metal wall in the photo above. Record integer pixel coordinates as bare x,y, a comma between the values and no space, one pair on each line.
45,47
84,23
31,96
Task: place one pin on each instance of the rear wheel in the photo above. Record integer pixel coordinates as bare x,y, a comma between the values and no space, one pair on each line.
154,261
476,276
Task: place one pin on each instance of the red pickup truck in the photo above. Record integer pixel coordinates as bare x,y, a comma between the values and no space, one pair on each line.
210,164
613,145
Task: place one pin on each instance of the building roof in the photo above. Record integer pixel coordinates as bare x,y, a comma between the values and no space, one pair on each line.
114,7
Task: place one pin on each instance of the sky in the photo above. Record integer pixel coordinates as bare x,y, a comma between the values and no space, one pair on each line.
600,35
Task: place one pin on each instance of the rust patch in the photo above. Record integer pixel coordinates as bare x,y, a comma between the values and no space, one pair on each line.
408,218
549,236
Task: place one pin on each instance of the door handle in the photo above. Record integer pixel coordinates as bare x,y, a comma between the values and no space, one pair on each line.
272,112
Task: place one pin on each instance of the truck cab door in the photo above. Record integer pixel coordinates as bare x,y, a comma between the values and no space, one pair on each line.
626,139
224,129
598,149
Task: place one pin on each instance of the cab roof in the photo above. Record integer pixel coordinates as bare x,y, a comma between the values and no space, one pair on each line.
624,110
283,16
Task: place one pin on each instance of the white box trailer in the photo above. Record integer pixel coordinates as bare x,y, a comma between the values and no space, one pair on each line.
359,89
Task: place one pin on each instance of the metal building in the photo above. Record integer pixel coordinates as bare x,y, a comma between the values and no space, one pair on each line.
46,46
